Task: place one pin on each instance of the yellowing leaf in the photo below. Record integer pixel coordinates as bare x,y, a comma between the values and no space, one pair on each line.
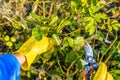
103,27
54,20
116,14
62,24
9,43
84,2
7,38
110,27
13,39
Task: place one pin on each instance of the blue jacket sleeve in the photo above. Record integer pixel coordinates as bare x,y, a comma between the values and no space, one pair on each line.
9,67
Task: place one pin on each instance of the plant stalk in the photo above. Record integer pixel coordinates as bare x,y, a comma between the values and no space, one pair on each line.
112,53
68,70
108,48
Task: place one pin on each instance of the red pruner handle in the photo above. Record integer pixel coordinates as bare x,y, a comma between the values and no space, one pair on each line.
84,75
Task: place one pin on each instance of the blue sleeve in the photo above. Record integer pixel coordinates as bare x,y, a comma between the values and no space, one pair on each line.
9,67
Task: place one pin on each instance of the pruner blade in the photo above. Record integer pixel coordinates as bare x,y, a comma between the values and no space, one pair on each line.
89,61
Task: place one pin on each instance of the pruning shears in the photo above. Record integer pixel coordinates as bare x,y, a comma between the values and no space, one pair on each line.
89,62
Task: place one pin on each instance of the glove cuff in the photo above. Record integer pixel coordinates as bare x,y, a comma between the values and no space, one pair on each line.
29,61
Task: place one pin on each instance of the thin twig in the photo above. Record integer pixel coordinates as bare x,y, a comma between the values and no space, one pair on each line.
51,9
60,66
108,48
44,9
74,72
112,53
68,70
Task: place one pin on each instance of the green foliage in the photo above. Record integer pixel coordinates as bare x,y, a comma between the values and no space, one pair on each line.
70,24
37,33
70,57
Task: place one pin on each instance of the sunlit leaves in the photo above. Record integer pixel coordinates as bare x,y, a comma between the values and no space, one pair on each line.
62,24
99,17
113,25
37,33
86,20
115,73
38,18
54,19
7,38
79,41
13,39
9,43
89,25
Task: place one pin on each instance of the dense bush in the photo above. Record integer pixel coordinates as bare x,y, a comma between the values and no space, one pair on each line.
70,23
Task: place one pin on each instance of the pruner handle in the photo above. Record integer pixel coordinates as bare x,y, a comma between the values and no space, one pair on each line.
86,76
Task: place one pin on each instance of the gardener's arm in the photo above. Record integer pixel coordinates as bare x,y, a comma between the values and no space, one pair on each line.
10,66
20,58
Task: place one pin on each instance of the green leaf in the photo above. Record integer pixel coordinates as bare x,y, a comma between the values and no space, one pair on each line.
54,19
70,41
110,27
90,11
114,22
56,77
31,21
92,30
103,27
103,16
9,43
97,18
56,38
13,39
16,25
103,48
115,71
47,56
79,64
29,74
18,45
79,41
115,27
73,4
37,33
86,19
89,24
62,24
69,78
72,27
100,36
100,16
84,2
35,16
38,18
46,19
70,57
7,38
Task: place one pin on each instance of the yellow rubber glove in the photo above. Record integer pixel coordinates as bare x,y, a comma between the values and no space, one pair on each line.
31,48
102,73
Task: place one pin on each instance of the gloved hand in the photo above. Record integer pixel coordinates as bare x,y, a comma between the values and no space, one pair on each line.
31,48
102,73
